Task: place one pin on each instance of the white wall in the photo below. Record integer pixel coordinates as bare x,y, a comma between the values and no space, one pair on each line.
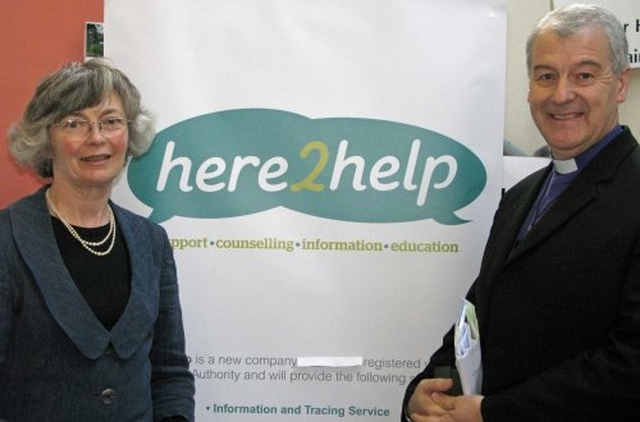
519,128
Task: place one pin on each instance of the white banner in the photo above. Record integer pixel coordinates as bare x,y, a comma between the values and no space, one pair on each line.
327,172
628,12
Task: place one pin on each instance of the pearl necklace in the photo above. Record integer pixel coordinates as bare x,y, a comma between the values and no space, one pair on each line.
89,246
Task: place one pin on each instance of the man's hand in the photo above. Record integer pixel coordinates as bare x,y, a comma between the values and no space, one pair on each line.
422,407
430,403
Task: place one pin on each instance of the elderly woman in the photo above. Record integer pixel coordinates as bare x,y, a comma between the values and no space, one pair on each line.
90,319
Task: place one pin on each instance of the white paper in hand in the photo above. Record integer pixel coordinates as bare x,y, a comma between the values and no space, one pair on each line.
467,349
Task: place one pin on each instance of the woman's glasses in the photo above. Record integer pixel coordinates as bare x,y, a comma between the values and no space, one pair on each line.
79,128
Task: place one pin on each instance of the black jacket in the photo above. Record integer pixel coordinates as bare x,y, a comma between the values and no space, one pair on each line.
560,313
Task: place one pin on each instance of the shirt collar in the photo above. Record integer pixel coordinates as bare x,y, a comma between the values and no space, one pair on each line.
578,163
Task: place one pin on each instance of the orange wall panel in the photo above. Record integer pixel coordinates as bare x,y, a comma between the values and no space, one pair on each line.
36,37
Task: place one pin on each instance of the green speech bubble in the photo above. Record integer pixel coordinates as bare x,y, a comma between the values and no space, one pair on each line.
239,162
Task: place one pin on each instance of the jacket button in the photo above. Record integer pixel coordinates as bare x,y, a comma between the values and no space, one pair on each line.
108,396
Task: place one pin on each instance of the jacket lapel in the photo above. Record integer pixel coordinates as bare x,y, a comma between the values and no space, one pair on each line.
138,319
33,234
34,237
579,194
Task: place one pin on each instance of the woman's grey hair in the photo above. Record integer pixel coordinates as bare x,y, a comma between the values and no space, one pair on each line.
573,19
74,87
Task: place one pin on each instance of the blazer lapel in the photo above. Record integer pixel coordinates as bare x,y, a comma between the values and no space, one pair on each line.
512,214
33,233
138,319
34,237
579,194
583,190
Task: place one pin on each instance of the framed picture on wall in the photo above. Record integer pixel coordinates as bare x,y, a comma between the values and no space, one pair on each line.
93,40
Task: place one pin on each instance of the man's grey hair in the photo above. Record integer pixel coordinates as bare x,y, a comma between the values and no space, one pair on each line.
573,19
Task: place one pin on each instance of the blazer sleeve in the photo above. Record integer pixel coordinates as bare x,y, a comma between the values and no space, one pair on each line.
441,365
442,361
441,358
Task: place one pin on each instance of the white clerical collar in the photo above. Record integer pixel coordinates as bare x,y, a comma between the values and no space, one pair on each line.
565,166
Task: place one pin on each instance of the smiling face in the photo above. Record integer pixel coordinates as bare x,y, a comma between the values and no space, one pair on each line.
94,160
573,92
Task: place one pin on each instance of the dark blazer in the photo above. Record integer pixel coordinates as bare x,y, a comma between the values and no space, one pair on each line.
57,361
559,313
